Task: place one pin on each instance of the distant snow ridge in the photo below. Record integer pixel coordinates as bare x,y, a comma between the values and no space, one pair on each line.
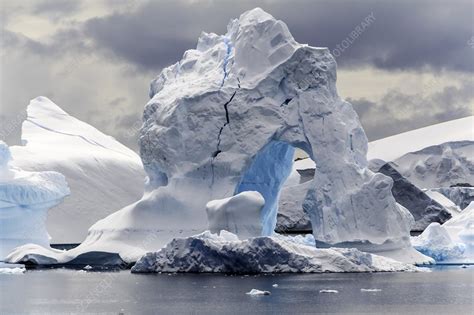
25,198
103,174
391,148
442,165
227,254
461,196
438,157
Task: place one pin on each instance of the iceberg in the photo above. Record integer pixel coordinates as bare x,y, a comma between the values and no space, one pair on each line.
226,119
212,253
425,206
25,198
435,242
434,158
451,242
256,292
103,174
255,95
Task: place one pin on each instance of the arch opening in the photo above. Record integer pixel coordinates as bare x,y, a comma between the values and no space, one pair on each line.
267,174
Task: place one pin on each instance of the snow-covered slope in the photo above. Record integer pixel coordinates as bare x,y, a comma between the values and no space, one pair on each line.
391,148
424,208
25,198
443,165
461,196
103,174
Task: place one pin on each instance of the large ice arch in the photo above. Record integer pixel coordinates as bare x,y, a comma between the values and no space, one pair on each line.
225,119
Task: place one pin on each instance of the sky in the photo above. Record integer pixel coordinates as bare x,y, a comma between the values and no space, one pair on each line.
402,64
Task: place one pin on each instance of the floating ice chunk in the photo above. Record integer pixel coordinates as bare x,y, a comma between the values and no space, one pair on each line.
239,214
435,242
12,271
258,292
370,290
275,285
328,291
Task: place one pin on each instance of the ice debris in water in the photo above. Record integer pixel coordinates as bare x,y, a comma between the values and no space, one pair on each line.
255,292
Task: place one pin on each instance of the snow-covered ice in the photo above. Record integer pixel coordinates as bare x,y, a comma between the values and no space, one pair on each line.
443,165
25,198
226,119
437,157
209,252
460,195
461,226
451,242
103,174
435,242
239,214
444,201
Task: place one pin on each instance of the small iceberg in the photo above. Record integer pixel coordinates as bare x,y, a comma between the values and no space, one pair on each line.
255,292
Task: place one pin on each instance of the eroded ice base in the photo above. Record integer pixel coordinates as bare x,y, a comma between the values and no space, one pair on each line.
209,252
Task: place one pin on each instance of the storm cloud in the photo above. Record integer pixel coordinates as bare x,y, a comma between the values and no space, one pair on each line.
403,35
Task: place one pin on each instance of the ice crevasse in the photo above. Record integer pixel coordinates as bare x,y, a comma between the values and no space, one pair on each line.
226,119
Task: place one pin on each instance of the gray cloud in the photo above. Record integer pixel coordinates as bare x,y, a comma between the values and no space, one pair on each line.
408,35
67,42
56,8
398,112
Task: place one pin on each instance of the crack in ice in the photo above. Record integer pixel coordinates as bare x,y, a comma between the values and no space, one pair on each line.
218,150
